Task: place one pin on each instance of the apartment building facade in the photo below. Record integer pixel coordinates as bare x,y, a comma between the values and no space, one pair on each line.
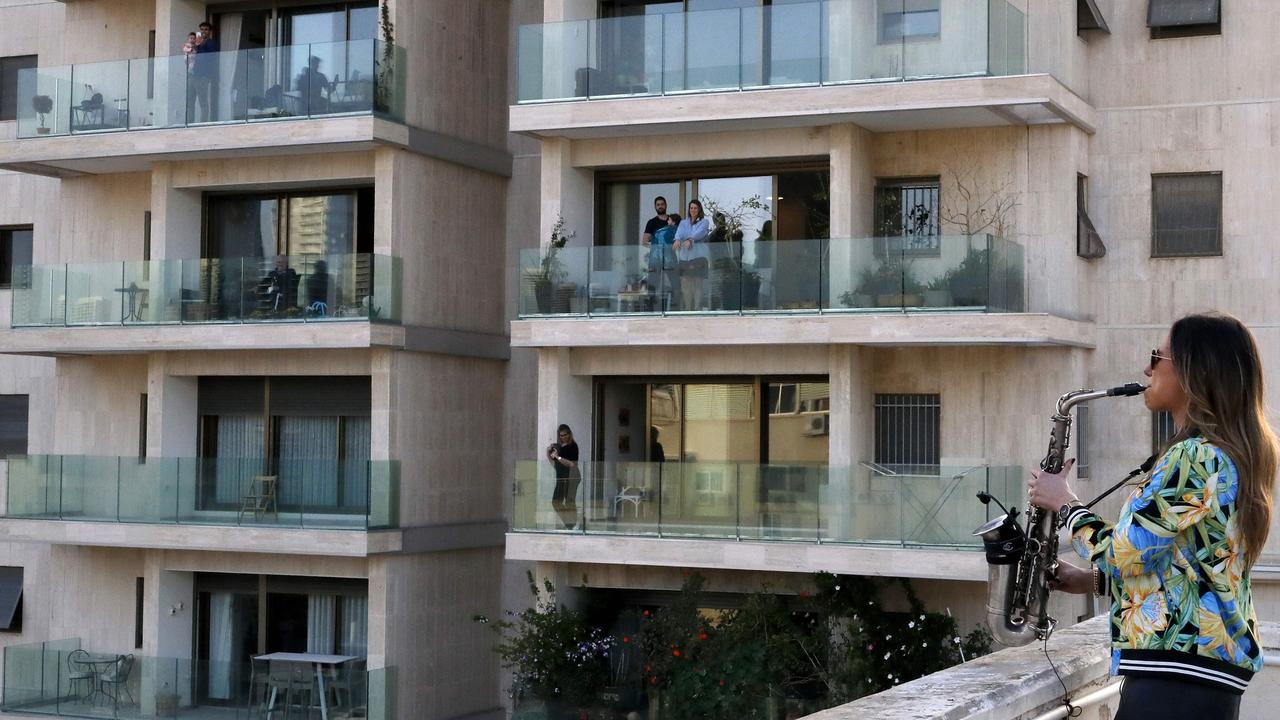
244,285
937,218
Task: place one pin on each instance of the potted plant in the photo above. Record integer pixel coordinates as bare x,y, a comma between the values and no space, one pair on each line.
938,292
970,279
890,284
550,291
43,105
166,702
737,282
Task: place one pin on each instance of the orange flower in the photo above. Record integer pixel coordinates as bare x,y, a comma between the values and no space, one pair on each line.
702,636
626,639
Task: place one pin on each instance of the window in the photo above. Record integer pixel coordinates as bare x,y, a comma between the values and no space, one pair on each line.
907,19
138,596
1161,430
1088,241
270,224
1186,215
11,599
907,208
907,429
15,256
1184,18
142,425
9,68
1089,17
13,425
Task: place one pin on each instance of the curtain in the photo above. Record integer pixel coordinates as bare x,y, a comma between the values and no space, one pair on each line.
308,456
355,626
355,466
220,645
239,455
231,67
320,618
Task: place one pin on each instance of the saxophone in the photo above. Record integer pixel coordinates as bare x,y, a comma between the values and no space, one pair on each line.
1020,563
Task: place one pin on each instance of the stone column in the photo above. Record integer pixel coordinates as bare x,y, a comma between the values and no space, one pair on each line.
852,186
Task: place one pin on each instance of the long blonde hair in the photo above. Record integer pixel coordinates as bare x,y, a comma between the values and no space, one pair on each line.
1217,365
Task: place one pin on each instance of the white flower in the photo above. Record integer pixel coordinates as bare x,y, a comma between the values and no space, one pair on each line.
955,640
924,644
886,656
911,624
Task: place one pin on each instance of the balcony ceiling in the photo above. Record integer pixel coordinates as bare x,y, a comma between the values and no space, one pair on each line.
878,107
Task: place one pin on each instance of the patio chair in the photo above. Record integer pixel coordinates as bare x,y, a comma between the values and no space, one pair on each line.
78,671
288,686
261,497
117,679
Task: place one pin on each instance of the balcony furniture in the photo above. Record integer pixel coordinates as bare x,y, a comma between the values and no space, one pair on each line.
261,498
632,495
86,310
320,664
80,670
352,95
88,109
136,301
98,666
116,677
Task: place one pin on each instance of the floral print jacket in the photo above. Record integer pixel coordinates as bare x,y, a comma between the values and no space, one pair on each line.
1181,606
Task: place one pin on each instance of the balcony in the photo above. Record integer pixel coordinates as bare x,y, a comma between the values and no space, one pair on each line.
210,502
711,66
761,517
233,92
880,290
338,298
39,680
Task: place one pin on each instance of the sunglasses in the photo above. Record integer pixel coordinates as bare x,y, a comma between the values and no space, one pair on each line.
1156,357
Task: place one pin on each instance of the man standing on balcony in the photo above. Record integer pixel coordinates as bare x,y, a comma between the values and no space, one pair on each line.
204,74
658,280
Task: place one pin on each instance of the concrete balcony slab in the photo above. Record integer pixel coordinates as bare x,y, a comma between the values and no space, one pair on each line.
878,107
896,329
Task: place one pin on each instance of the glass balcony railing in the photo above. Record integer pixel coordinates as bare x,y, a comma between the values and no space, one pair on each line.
358,77
252,492
296,288
64,678
782,45
885,274
868,504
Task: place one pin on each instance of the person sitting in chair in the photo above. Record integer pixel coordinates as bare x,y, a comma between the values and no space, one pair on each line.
282,285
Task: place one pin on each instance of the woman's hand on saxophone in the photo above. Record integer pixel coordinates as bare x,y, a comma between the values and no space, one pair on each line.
1071,579
1050,491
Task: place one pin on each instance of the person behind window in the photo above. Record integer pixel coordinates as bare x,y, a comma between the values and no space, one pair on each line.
318,289
1184,632
314,86
204,75
692,256
282,285
563,456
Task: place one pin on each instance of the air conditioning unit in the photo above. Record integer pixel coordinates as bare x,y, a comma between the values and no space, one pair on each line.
818,425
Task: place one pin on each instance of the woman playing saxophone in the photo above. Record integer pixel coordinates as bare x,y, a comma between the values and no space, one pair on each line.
1183,628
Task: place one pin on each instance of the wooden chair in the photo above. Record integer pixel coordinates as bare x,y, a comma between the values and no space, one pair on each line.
261,498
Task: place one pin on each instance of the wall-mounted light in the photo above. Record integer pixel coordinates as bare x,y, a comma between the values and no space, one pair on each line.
175,609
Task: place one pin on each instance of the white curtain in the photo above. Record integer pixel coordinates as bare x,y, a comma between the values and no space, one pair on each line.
309,462
239,455
220,645
355,626
231,68
320,618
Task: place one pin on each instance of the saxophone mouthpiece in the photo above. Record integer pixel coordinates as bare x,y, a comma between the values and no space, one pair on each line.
1127,390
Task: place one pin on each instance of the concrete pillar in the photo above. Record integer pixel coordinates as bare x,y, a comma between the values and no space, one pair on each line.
567,192
852,198
562,398
851,435
557,10
175,217
172,422
167,667
174,19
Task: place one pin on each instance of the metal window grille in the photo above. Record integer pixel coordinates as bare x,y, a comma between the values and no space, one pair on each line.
907,218
1161,430
907,428
1186,214
1082,441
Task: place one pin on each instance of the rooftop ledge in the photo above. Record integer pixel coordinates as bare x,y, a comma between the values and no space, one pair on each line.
1017,683
877,106
890,329
768,556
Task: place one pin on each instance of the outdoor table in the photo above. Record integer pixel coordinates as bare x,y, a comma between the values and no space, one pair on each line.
134,309
318,662
98,664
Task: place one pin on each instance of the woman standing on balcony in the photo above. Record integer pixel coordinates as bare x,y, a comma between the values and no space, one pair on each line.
1183,628
691,251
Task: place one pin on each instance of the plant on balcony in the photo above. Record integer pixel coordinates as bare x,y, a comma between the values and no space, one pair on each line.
975,207
383,92
736,284
937,293
548,279
43,105
892,283
553,653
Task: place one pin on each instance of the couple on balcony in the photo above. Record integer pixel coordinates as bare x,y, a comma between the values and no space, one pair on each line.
679,256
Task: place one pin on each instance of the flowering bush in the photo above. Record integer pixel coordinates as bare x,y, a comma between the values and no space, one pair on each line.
553,653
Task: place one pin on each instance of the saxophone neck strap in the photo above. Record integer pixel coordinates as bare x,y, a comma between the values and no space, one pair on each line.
1143,468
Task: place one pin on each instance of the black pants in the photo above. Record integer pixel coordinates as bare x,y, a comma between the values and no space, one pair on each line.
1150,697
